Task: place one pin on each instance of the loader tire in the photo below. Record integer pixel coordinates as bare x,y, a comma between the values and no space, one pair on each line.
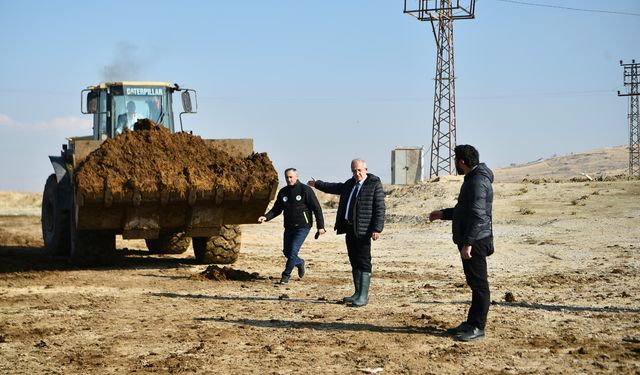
91,247
221,249
55,220
171,243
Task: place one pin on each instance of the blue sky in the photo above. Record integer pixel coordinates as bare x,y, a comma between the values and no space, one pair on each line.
318,83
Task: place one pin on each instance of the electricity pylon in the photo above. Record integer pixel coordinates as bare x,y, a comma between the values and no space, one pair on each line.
441,14
631,81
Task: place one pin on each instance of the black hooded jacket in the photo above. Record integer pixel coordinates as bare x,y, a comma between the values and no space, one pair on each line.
472,214
297,201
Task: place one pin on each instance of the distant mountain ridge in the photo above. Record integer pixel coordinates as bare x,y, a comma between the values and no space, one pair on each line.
607,161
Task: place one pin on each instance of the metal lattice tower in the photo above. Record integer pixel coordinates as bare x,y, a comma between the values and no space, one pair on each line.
631,81
441,14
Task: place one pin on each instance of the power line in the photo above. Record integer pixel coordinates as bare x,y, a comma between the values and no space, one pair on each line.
28,91
571,8
554,94
551,94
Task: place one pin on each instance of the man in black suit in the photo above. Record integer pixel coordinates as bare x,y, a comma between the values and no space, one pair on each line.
360,217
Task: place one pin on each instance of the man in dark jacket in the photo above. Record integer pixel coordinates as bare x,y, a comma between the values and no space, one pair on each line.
361,217
298,201
472,232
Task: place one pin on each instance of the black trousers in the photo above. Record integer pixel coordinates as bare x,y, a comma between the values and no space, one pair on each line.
475,272
359,250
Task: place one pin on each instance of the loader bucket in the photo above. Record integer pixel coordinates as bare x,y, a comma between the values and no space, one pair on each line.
198,214
146,182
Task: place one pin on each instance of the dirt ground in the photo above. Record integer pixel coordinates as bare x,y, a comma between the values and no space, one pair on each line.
567,255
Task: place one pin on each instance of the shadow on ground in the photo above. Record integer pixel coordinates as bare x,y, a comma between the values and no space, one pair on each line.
334,326
244,298
26,258
546,307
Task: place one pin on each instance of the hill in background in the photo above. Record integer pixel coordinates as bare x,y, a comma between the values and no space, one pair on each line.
602,162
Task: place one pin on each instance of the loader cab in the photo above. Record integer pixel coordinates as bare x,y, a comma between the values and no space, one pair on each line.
117,106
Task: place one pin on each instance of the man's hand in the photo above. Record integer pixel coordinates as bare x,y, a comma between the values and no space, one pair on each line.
319,232
435,215
312,182
375,236
262,219
465,253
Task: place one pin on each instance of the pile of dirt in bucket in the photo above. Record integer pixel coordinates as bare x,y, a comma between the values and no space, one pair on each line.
151,159
216,273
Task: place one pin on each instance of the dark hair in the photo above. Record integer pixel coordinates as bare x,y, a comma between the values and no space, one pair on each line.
289,169
468,154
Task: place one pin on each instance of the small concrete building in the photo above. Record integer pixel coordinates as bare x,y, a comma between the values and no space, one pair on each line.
407,165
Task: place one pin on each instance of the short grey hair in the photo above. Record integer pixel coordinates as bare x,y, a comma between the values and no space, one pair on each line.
359,160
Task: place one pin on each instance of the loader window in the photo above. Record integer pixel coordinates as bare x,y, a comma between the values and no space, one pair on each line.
128,110
100,128
151,104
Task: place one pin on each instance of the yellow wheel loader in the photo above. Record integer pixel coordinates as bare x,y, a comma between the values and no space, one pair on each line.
83,224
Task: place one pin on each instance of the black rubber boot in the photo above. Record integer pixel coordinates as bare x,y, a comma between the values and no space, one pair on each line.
356,284
363,297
